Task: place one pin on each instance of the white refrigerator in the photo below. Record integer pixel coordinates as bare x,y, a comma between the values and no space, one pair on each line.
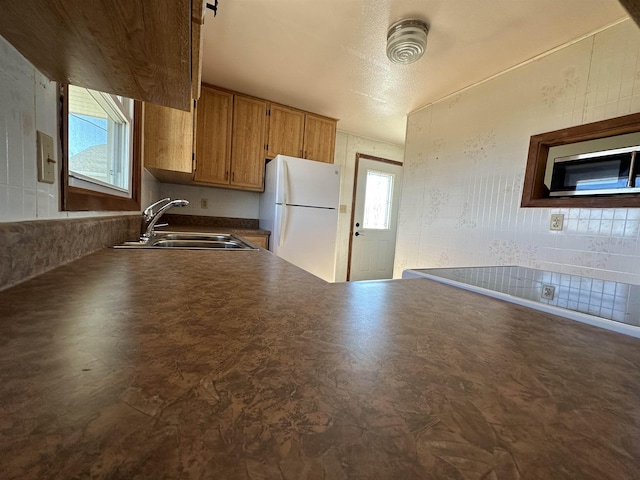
300,207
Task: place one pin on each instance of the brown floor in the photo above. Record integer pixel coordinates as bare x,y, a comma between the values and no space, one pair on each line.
236,365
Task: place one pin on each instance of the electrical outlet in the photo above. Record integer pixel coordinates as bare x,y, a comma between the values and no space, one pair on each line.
204,203
557,220
548,291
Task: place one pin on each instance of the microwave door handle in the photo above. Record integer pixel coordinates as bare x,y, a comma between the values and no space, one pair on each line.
631,182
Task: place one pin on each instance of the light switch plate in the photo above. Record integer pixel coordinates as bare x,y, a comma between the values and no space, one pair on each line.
557,220
46,158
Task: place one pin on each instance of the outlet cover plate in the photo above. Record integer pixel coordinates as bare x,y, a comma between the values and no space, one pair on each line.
548,292
557,221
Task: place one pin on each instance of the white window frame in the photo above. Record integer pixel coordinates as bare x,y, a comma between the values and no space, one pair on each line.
120,108
389,202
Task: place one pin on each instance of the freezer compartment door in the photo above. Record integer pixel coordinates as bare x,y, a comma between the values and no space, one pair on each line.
306,182
306,237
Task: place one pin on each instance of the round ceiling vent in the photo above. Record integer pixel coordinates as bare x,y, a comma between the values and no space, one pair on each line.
406,41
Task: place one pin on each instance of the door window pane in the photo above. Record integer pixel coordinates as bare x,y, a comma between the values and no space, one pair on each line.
99,139
377,200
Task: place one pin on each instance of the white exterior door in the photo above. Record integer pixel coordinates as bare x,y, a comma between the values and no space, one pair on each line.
374,220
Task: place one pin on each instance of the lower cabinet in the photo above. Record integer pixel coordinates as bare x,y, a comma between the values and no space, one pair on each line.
261,241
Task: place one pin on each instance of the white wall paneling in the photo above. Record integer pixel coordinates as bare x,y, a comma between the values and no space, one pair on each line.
466,154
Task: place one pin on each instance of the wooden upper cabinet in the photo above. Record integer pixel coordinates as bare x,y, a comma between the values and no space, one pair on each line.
286,128
168,141
319,138
135,48
214,115
247,148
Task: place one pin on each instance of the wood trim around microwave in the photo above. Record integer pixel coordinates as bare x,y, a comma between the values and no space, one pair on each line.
536,194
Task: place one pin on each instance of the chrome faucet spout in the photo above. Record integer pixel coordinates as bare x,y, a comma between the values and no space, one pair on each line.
150,218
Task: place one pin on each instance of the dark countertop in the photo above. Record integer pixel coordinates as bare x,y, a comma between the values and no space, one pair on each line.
237,365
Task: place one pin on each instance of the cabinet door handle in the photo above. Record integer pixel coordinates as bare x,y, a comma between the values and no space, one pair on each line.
226,175
233,176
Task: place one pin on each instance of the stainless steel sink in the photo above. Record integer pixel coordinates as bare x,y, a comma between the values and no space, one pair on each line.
191,241
218,237
195,244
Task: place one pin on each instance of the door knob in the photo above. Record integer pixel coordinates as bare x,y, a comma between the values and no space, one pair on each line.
358,234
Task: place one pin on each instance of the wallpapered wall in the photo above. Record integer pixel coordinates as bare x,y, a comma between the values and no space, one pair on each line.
466,154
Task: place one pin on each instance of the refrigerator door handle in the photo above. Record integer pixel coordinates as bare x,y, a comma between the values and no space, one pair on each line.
285,204
285,181
283,224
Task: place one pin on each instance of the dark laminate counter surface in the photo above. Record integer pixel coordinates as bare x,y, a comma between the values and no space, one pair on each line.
236,365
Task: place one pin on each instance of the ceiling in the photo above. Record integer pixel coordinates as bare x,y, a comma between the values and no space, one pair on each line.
328,56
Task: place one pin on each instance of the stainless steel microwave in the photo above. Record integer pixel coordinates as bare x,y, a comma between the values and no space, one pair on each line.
597,173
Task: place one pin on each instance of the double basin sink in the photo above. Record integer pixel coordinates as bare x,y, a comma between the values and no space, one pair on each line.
191,241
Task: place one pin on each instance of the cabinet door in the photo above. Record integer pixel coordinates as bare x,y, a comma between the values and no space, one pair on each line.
247,150
261,241
319,138
168,138
214,112
286,128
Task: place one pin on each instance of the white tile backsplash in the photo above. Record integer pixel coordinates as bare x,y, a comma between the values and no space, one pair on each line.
466,157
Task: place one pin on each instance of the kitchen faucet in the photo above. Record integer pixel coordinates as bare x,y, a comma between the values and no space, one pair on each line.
150,218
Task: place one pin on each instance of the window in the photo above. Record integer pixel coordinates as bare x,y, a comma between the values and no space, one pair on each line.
100,140
101,155
377,200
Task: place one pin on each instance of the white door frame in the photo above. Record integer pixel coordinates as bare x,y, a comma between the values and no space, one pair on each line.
353,199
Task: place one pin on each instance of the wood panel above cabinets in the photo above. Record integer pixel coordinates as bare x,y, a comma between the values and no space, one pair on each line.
134,48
